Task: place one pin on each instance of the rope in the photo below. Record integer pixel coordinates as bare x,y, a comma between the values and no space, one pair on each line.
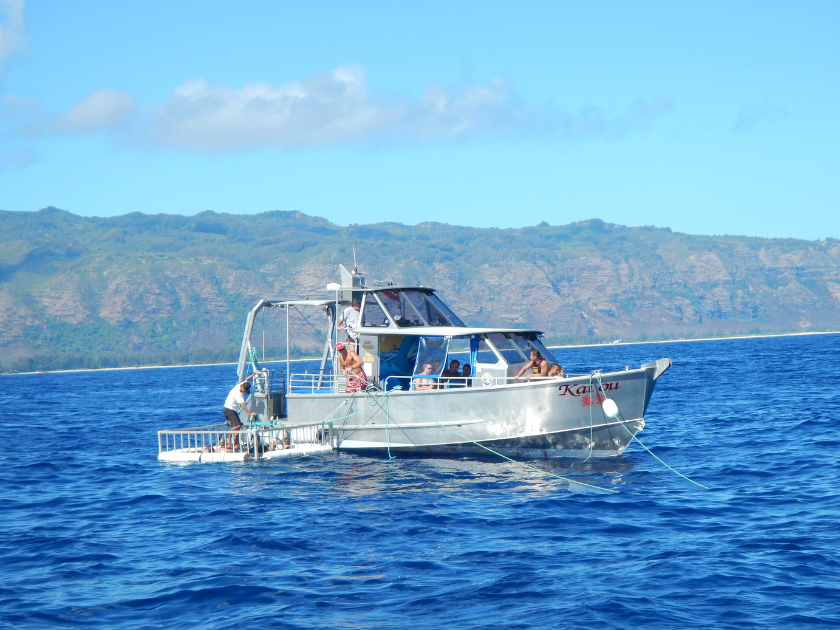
387,437
320,334
591,421
372,390
343,402
618,417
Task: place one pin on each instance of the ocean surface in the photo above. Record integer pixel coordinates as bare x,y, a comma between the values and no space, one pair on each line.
96,533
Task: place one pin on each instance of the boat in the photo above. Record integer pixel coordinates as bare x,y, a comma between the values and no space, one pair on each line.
405,328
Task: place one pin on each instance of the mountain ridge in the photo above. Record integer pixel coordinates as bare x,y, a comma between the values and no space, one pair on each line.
163,288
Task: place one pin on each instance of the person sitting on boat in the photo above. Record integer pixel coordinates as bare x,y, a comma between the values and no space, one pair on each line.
426,383
349,321
450,373
351,365
537,365
556,370
236,400
467,374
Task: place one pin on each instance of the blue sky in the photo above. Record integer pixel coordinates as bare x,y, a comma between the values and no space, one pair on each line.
712,118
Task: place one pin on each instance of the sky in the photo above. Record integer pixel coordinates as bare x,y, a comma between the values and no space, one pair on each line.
708,118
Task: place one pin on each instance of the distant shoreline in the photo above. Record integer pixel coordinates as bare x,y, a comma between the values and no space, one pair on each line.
590,345
637,343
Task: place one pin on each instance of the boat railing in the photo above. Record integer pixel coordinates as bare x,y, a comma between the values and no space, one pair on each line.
268,380
322,383
459,382
444,382
220,443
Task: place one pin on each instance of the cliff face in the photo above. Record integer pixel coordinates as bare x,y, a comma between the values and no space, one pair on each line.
178,288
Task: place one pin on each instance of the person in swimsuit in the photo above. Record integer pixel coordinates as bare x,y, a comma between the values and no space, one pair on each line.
351,364
426,383
537,365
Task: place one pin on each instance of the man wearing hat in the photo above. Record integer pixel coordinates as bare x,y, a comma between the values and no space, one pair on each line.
236,399
351,364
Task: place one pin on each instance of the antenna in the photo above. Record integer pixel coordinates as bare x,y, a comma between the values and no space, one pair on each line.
354,259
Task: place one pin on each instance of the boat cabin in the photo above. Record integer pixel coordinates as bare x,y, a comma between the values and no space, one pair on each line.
404,328
407,334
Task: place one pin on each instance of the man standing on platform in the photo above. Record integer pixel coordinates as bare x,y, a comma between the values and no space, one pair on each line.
236,400
351,365
349,321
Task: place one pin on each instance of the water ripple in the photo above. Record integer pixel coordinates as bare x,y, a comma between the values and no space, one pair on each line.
98,534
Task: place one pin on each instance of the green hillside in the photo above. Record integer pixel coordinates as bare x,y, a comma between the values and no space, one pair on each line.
142,289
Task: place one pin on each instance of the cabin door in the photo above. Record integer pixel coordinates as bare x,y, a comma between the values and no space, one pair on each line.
369,351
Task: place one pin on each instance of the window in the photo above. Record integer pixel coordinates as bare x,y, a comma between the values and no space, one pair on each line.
419,303
545,351
443,309
372,313
522,343
431,351
485,354
506,348
400,309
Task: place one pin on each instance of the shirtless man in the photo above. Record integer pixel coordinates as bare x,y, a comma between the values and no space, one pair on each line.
537,365
556,370
351,364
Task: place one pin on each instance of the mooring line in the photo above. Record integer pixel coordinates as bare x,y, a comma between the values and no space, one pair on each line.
591,441
621,421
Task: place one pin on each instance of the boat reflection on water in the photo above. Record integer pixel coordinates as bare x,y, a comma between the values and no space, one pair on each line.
367,476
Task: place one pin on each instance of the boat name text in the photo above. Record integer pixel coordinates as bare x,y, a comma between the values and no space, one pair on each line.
579,390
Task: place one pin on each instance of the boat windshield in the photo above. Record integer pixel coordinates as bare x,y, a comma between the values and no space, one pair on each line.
372,313
400,308
521,342
431,356
437,306
545,351
527,342
506,348
416,307
485,354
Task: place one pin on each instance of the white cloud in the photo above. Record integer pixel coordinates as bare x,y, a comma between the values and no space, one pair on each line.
336,107
102,109
12,28
323,109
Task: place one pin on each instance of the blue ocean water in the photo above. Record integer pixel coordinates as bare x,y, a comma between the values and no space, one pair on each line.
97,534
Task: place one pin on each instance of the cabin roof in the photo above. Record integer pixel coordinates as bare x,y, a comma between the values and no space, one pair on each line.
439,331
413,331
395,287
299,302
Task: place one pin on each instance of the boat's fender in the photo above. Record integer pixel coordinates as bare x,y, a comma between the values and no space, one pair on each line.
659,366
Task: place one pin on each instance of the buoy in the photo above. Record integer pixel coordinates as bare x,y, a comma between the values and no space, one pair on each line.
610,408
